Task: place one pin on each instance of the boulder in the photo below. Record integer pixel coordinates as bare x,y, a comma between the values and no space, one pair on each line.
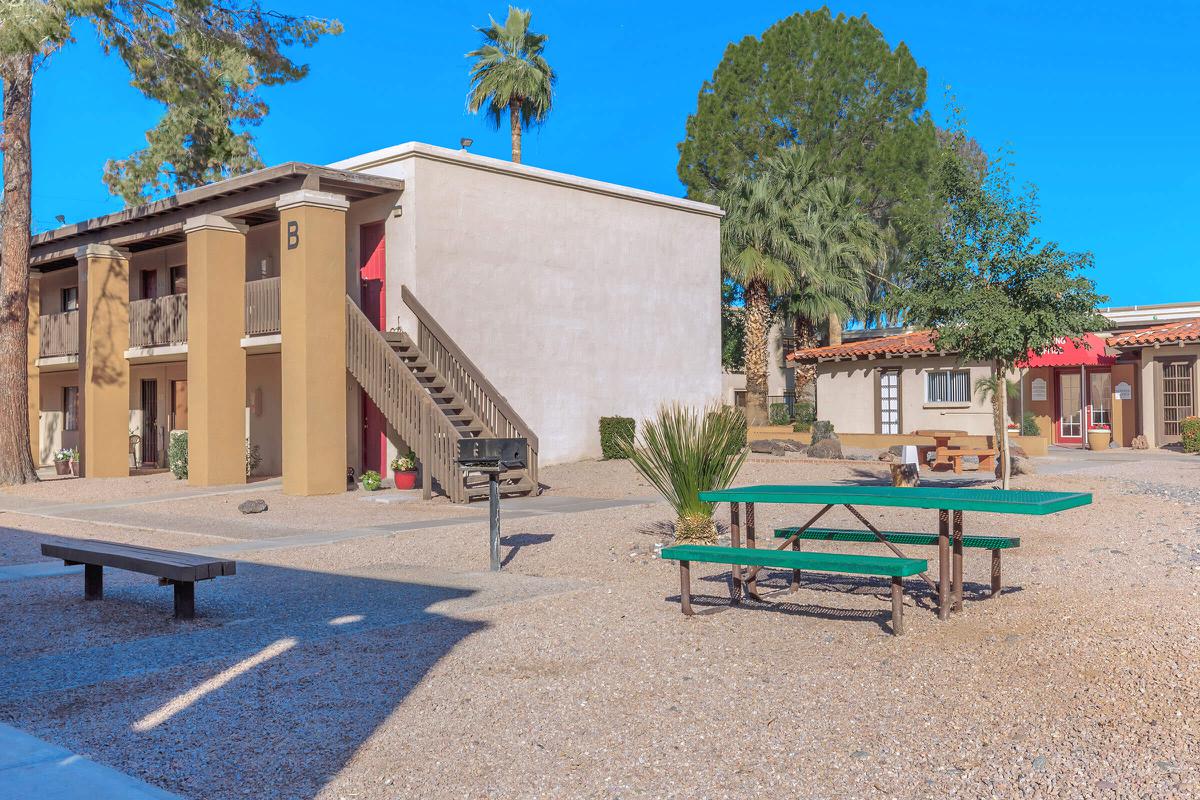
253,507
790,445
1021,465
826,448
1016,450
907,475
763,446
1139,443
822,429
887,456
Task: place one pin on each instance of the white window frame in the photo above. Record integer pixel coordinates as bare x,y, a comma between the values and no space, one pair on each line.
949,400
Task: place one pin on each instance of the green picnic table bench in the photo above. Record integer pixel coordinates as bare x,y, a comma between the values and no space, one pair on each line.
950,503
886,566
995,544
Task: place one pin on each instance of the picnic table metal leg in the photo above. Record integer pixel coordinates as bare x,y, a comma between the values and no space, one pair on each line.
795,587
93,581
943,564
958,561
995,573
752,581
735,540
897,606
185,599
685,588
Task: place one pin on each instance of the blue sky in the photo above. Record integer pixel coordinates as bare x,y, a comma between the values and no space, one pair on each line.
1098,100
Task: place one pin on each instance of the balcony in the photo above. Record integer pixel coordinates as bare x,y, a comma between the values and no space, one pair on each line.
158,322
262,307
59,335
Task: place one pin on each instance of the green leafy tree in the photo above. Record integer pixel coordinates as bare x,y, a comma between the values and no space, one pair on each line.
511,76
832,84
205,60
990,288
733,327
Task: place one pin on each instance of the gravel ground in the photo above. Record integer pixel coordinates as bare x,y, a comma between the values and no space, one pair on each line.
401,670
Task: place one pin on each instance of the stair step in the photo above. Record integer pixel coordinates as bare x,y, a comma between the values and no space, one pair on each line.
523,486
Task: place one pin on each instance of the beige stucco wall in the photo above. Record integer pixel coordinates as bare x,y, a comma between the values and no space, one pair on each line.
846,396
576,299
52,437
1150,375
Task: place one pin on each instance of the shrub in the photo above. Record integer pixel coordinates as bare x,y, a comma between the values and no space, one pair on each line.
177,454
65,455
614,430
685,451
253,458
371,480
778,414
1029,426
1189,432
806,415
822,429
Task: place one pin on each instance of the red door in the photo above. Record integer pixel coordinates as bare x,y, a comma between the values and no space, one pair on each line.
372,275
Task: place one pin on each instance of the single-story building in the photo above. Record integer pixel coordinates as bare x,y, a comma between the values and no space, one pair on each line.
1132,382
331,317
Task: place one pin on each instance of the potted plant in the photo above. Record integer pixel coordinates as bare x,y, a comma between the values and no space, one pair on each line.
1099,436
371,481
62,462
404,471
74,462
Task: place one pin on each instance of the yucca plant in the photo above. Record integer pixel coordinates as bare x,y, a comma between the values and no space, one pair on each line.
684,451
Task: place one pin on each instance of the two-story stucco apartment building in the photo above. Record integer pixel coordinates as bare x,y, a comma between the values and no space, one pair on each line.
1139,378
332,316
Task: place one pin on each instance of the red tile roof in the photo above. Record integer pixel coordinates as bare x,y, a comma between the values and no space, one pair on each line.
912,343
1187,330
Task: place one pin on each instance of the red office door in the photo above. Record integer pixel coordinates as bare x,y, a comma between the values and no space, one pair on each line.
372,275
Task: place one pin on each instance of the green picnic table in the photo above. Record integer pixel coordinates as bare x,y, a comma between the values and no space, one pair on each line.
949,502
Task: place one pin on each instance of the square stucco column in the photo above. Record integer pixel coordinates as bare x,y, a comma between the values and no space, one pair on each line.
32,372
103,370
1150,400
312,248
216,366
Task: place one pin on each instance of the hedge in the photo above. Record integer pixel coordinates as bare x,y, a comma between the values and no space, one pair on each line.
806,415
1189,433
612,430
1029,426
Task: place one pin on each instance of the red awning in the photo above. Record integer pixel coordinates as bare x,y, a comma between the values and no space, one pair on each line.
1091,353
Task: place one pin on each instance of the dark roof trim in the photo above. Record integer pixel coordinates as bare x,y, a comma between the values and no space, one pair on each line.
355,185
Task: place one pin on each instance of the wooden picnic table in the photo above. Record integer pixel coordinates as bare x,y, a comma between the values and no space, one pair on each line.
950,503
941,440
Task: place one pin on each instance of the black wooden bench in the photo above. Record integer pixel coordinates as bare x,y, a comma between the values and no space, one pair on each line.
180,570
886,566
993,543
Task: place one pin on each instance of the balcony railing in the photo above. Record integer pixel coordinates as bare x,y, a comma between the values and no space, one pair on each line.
262,307
59,334
158,321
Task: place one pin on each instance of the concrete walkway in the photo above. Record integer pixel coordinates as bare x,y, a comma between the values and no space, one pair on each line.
31,768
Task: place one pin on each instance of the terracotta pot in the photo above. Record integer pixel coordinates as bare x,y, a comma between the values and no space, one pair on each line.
62,467
1098,440
406,479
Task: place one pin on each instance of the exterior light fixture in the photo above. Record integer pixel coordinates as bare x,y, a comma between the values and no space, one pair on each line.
465,142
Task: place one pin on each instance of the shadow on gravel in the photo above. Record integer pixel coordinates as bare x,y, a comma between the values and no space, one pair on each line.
268,693
517,541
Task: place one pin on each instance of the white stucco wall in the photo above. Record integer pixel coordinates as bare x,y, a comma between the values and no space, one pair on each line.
846,396
577,299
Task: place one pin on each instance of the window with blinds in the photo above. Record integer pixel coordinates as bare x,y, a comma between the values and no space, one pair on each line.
948,386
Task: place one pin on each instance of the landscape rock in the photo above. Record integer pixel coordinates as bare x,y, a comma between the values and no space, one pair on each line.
826,448
822,429
1021,466
763,446
253,507
1139,443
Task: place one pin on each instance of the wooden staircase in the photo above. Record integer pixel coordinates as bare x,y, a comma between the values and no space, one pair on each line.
433,395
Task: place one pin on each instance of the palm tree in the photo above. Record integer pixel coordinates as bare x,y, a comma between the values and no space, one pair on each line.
757,252
510,74
846,246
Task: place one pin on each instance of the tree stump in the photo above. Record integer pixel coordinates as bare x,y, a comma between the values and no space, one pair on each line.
905,475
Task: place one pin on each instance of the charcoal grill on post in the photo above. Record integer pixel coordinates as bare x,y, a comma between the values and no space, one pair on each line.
492,457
